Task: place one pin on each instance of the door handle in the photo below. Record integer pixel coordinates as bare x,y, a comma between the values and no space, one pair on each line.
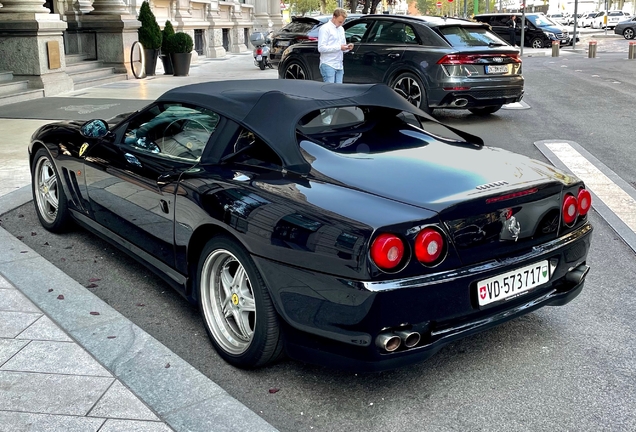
132,159
394,55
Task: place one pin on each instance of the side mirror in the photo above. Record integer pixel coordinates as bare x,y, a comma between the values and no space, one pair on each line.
268,41
94,129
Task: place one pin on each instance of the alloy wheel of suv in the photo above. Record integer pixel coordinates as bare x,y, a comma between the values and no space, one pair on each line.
536,43
628,33
295,70
411,88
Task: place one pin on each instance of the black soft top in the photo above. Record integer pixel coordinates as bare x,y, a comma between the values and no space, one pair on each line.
272,108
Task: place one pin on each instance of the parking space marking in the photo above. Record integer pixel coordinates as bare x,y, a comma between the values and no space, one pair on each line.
612,195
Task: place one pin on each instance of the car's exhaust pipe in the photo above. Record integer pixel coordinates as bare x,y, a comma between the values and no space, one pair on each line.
409,338
578,274
388,342
460,102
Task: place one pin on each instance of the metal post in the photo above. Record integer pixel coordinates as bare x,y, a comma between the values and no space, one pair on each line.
632,50
576,5
523,28
591,53
555,48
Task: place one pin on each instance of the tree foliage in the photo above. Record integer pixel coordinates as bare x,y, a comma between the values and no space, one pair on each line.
149,33
168,32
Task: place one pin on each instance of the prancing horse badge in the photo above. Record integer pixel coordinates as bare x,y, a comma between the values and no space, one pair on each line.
83,149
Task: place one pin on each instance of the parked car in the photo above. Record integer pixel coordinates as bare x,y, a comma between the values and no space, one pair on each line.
599,20
300,29
586,19
539,31
614,17
342,233
433,62
561,18
626,28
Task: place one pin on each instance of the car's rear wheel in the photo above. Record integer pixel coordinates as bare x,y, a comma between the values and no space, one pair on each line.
411,88
485,110
295,70
237,310
628,33
48,195
536,43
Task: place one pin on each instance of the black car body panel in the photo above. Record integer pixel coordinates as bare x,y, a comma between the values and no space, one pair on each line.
309,233
454,72
538,28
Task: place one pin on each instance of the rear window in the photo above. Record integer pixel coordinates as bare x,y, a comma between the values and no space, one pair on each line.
298,27
459,36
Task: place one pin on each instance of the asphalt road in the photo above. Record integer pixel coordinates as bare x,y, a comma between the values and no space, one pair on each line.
566,368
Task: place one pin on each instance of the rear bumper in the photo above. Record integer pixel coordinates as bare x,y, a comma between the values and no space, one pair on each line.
480,97
333,321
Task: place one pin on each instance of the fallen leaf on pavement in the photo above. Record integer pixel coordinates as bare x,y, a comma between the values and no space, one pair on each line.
111,337
167,365
94,279
273,390
92,285
94,313
140,304
33,233
50,289
60,297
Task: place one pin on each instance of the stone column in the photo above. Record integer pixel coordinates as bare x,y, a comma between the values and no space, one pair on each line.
115,32
31,45
275,15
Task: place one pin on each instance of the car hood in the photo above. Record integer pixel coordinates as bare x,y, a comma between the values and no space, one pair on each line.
435,176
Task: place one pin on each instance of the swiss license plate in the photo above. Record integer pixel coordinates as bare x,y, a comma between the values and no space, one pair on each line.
259,57
496,69
512,283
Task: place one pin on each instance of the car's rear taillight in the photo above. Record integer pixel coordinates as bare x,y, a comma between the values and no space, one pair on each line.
430,246
305,38
459,59
570,209
259,51
585,201
387,251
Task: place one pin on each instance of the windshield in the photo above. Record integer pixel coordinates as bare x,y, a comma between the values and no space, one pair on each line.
540,20
470,36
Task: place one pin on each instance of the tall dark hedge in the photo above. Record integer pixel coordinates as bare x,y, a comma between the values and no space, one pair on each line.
168,32
149,32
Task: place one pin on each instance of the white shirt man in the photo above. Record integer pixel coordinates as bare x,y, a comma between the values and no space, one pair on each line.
332,44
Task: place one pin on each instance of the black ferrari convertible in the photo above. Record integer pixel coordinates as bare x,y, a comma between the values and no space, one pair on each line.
354,230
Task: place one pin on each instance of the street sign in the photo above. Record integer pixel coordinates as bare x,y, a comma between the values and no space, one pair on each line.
439,4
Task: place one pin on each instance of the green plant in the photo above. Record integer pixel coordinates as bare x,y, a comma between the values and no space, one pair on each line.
180,43
168,32
149,32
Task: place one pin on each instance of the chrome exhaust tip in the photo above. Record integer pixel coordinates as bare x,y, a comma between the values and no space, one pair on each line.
409,338
578,274
461,102
388,342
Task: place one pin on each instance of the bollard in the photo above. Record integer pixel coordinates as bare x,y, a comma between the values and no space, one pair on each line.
555,48
591,53
632,50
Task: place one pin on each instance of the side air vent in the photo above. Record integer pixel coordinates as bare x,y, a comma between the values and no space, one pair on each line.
491,185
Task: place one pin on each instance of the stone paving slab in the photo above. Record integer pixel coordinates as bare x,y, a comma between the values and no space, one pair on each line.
32,422
119,402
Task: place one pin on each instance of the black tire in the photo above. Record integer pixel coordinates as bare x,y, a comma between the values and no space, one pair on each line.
411,88
49,199
262,64
295,70
628,33
485,110
536,43
237,311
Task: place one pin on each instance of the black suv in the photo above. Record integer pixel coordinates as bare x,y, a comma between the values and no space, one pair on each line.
540,31
433,62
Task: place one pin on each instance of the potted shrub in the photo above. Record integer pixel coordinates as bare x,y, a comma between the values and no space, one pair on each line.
149,36
180,53
167,33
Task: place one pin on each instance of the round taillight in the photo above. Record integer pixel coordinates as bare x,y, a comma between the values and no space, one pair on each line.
387,251
585,201
429,246
570,209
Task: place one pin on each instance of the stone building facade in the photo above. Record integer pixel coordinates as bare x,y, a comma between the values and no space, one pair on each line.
38,36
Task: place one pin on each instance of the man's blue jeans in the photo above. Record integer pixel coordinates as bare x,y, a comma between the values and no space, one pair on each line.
331,75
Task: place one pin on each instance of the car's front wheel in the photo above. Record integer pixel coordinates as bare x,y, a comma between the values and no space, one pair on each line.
536,43
237,310
485,110
411,88
628,33
48,195
295,70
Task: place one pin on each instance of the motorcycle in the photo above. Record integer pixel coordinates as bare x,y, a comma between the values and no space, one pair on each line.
261,50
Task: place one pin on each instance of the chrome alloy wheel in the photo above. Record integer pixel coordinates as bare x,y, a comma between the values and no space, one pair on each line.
228,302
295,71
409,89
47,190
628,33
